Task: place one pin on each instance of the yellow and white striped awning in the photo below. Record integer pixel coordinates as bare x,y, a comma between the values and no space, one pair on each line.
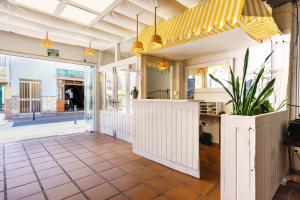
212,17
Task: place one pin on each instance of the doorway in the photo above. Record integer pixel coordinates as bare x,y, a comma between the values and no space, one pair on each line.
117,85
42,96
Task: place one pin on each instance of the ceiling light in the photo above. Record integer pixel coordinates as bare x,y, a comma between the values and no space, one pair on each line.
48,6
163,65
96,5
78,15
137,46
89,51
156,41
46,42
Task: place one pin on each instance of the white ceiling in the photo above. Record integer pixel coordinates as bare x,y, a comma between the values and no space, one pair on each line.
79,22
213,44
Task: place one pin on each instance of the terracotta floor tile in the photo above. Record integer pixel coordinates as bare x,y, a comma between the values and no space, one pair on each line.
19,172
215,193
162,197
49,172
80,151
131,166
119,160
125,182
210,176
141,192
99,167
93,160
161,184
112,173
55,181
21,180
144,161
23,191
181,193
61,192
119,197
80,173
101,192
86,155
177,176
76,197
89,182
72,166
201,186
101,151
38,196
144,174
66,160
158,168
45,165
110,155
62,155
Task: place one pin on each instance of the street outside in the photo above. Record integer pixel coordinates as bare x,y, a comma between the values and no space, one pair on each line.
22,129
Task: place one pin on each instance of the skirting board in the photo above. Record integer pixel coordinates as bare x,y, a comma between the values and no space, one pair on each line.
168,163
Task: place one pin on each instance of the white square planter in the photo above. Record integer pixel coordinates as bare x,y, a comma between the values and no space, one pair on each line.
253,159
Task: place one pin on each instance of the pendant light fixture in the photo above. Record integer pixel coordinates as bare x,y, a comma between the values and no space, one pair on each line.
47,43
137,46
156,41
89,51
163,65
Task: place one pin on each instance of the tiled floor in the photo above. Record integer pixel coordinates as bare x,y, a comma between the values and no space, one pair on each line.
96,167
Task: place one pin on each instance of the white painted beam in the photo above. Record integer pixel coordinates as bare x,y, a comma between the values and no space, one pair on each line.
122,21
189,3
15,21
54,22
41,34
131,10
166,8
112,28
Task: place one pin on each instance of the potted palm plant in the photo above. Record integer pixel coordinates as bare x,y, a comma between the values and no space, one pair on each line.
251,138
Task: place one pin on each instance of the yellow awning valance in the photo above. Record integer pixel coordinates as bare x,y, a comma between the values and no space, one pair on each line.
212,17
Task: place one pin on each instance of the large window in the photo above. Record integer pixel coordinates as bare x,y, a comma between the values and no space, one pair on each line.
201,79
30,96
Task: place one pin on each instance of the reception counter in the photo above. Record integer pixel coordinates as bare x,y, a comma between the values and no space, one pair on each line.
167,132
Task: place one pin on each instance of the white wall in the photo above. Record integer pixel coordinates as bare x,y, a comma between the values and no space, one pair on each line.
157,80
278,65
34,69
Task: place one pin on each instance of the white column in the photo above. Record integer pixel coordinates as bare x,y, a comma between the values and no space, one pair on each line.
117,52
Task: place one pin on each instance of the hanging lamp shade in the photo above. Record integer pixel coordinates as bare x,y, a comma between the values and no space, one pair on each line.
89,51
156,41
137,46
163,65
47,43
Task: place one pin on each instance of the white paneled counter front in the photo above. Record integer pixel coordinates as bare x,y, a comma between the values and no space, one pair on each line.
167,132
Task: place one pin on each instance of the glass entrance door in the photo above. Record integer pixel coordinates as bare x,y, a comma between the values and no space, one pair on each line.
116,111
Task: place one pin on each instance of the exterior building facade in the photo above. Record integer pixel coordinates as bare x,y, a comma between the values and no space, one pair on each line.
40,86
